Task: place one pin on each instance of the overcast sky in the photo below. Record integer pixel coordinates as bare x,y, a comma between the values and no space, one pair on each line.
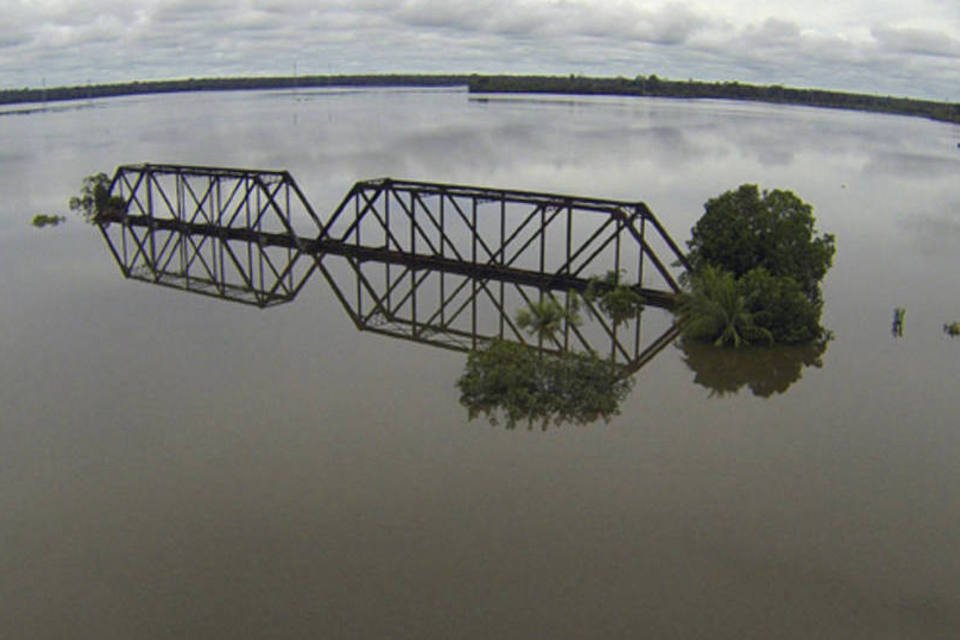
899,47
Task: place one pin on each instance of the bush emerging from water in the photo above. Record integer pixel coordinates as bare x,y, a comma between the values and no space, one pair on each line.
715,309
95,203
778,305
756,266
745,229
42,220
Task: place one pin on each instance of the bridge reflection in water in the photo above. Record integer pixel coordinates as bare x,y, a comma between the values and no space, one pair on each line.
445,265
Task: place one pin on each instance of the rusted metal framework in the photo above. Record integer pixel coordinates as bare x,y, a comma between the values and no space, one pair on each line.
552,241
442,264
228,233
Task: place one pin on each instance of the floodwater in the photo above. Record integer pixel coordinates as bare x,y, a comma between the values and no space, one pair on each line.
177,466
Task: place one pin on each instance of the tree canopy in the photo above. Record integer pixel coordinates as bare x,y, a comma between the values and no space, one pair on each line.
95,203
756,266
745,229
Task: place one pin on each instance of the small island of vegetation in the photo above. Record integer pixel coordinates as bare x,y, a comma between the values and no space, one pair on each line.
42,220
756,265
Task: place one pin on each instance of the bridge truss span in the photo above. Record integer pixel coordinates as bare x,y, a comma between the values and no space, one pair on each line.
555,240
422,254
230,233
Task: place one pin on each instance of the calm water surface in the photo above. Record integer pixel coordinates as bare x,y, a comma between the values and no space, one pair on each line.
180,467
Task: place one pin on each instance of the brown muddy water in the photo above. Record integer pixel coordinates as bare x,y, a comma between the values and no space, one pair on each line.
176,466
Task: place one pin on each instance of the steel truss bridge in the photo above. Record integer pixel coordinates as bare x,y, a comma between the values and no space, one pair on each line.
437,263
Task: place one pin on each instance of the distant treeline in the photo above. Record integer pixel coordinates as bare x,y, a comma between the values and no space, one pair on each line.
87,92
692,89
639,86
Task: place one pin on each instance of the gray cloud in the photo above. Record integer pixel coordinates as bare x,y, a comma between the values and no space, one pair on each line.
905,51
917,41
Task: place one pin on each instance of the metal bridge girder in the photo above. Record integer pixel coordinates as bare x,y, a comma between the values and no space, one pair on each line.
437,263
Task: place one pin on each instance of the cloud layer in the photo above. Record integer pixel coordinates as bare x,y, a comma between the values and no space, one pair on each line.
885,46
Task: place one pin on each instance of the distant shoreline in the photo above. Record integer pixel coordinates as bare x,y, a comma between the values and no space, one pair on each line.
647,86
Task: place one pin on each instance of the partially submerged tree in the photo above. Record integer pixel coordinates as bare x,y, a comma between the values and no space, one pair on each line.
756,265
95,203
715,309
779,306
745,229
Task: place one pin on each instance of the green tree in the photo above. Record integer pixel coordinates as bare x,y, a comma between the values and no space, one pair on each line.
745,229
714,308
95,203
779,305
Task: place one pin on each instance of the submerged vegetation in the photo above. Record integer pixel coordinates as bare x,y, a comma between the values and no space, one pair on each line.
514,383
756,267
899,315
42,220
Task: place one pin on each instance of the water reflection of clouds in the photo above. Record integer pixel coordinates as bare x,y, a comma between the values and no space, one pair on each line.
672,154
912,165
935,234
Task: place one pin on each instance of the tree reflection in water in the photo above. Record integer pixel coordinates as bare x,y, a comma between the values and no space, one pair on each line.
764,370
514,383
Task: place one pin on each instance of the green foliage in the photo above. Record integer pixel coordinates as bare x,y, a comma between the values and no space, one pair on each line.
42,220
616,300
511,382
715,309
756,266
95,203
778,305
545,317
745,229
